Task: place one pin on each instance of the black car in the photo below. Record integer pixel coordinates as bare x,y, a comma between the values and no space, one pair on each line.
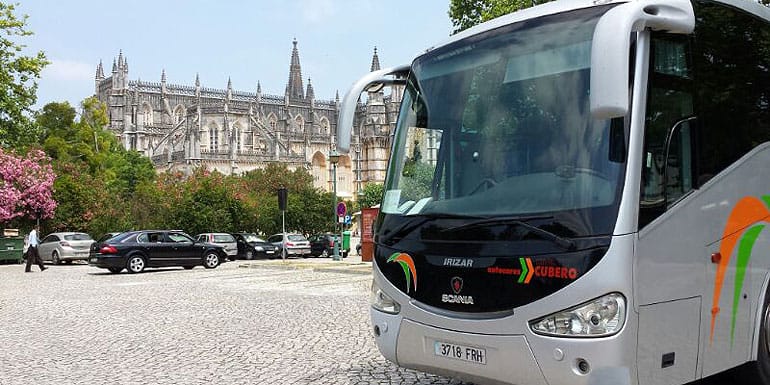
251,246
136,250
323,245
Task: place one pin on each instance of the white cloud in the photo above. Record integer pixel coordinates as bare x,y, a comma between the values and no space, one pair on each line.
68,70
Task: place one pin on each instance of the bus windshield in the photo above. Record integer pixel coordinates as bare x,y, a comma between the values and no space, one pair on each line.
499,125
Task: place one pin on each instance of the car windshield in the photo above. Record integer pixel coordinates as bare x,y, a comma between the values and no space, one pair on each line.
179,237
223,238
499,125
78,237
250,238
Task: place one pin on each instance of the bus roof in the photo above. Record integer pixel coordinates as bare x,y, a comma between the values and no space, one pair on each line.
559,6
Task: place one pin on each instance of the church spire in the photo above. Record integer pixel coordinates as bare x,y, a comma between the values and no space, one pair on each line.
375,61
163,75
310,94
99,71
294,87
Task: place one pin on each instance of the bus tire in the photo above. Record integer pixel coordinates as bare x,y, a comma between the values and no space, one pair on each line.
758,372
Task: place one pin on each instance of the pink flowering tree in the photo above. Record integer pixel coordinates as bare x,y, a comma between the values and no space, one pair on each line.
26,186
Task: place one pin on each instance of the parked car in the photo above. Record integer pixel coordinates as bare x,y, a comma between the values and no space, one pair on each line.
322,245
107,236
137,250
251,246
223,239
65,247
296,244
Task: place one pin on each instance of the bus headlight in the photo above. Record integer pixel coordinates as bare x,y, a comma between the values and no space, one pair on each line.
600,317
382,301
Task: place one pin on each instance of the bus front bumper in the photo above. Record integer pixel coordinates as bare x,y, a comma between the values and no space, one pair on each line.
520,359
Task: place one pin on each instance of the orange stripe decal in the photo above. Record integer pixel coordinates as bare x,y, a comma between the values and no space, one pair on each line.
746,212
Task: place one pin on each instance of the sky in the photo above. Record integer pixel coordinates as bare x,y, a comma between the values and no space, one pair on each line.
246,41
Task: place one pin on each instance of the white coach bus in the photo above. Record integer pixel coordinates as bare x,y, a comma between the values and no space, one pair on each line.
577,194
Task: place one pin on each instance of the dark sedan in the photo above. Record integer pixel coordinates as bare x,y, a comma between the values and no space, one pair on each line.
137,250
251,246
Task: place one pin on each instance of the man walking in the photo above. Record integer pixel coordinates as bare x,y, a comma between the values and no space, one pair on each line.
32,253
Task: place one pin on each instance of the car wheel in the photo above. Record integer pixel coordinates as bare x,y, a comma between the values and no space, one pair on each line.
115,270
211,260
188,267
249,255
324,253
135,264
55,258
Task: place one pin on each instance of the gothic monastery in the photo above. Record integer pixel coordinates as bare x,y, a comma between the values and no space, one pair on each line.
181,127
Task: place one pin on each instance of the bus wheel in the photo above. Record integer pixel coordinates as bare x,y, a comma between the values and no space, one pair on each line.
758,372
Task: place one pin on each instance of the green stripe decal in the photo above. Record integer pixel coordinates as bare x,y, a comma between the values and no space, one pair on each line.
766,199
744,255
524,270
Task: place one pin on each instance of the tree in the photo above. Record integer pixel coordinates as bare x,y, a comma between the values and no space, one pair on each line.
467,13
26,186
18,88
372,194
98,176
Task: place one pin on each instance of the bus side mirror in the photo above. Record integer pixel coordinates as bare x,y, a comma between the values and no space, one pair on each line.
611,47
371,82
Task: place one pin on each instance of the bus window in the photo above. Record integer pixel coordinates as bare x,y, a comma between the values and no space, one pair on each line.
669,100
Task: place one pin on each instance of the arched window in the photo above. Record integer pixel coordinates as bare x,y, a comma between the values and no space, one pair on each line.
213,137
147,114
272,121
238,140
323,128
179,113
299,123
318,170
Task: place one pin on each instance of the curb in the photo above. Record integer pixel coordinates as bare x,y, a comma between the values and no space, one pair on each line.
357,268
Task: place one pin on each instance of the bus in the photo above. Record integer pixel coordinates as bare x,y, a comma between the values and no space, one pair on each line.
577,193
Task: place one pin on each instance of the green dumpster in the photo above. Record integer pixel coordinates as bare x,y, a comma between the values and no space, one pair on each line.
346,242
11,249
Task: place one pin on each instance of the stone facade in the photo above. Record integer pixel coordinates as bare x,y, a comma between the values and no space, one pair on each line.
181,127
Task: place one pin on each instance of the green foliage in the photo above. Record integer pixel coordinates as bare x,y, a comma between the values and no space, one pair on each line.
372,194
467,13
97,176
18,87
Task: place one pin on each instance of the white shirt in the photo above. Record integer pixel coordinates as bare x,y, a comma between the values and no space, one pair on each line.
33,238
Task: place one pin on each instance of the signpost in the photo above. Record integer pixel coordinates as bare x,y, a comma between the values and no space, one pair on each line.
342,209
282,197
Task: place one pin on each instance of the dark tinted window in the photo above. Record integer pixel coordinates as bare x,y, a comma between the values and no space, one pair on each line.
720,78
50,238
78,237
667,164
732,70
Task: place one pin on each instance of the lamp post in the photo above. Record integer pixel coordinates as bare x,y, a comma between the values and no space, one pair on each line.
334,157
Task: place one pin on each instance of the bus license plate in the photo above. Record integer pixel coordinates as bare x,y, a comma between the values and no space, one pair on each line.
461,352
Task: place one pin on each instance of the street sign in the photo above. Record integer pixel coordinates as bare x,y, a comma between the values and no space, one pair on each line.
341,209
348,219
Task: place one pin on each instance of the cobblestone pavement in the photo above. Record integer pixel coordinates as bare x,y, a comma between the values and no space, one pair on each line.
231,325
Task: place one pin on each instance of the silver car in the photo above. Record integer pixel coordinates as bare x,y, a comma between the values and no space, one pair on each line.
221,239
296,244
66,246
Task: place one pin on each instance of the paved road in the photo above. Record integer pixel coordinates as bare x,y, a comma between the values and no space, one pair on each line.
79,325
232,325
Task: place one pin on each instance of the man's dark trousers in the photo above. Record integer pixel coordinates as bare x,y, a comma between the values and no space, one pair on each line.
33,254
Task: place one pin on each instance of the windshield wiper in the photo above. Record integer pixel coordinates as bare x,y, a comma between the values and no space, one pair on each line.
416,221
562,242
